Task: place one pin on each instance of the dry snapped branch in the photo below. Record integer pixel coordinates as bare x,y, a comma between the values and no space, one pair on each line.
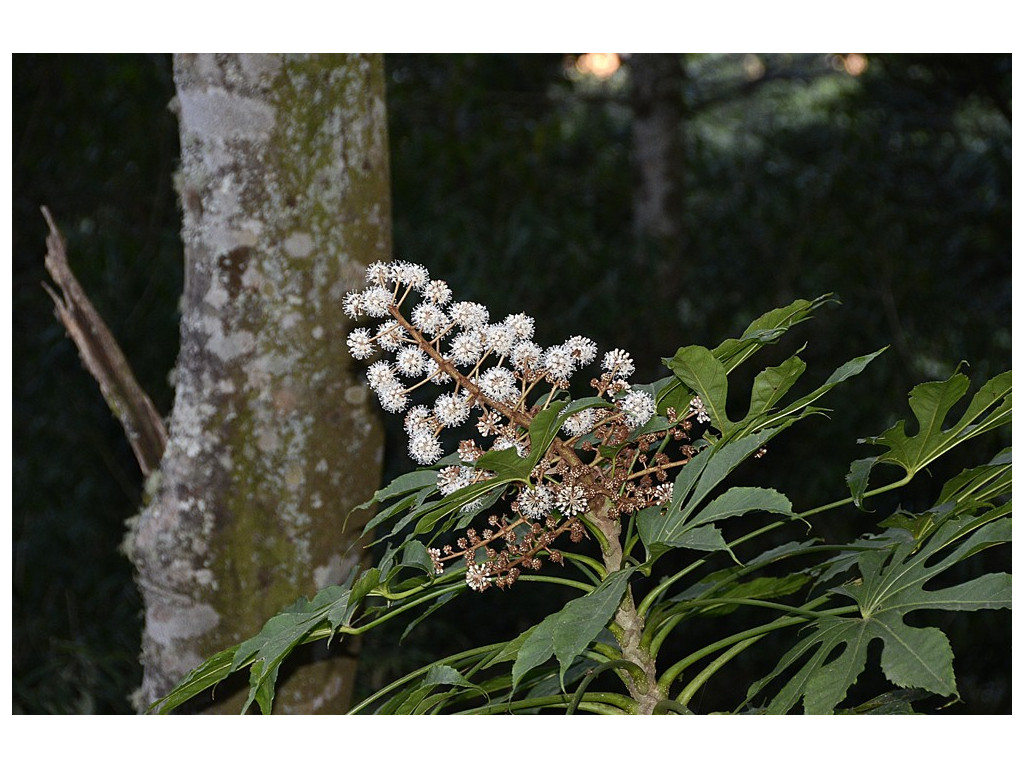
103,357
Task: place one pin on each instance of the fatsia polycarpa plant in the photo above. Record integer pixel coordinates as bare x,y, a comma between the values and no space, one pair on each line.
593,493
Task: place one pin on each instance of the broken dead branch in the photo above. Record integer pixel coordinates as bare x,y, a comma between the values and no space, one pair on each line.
102,356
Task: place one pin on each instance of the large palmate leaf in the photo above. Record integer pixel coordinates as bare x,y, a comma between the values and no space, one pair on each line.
991,407
892,585
264,652
767,329
567,633
703,373
331,610
765,394
435,689
688,522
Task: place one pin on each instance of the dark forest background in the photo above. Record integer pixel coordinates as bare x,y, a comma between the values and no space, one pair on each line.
885,179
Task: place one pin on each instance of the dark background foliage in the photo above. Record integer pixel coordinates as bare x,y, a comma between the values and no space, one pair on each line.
513,179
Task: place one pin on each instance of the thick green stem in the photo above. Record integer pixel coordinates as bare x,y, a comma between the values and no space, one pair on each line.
628,626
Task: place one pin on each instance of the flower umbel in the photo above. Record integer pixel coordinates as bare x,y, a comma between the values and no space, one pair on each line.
498,373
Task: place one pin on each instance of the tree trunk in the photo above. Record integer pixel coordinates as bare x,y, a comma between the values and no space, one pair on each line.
658,151
272,439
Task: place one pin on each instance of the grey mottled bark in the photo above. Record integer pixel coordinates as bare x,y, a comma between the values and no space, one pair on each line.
658,150
272,440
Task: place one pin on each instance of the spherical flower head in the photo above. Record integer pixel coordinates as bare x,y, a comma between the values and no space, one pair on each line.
697,406
468,314
469,451
438,292
411,361
424,447
582,350
526,356
418,419
380,374
499,384
375,301
618,363
638,408
391,336
413,275
453,478
663,493
558,362
535,503
378,273
353,305
359,344
467,347
571,500
451,409
488,424
476,577
580,423
499,338
429,318
521,325
435,559
393,397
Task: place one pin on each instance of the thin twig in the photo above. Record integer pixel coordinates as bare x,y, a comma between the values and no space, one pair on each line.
102,356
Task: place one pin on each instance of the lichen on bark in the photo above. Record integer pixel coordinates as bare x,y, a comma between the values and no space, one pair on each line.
285,198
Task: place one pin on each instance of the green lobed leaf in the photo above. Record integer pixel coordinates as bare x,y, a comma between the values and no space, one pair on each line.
982,484
430,514
680,530
898,702
767,329
802,407
403,486
414,554
705,538
505,462
203,677
771,385
931,403
567,633
723,584
423,698
724,457
266,650
280,636
660,529
703,373
738,501
892,585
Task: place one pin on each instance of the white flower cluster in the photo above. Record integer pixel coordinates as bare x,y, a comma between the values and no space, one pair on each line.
497,363
488,371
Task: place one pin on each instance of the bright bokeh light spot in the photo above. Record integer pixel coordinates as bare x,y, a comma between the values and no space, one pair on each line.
753,67
855,64
600,65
